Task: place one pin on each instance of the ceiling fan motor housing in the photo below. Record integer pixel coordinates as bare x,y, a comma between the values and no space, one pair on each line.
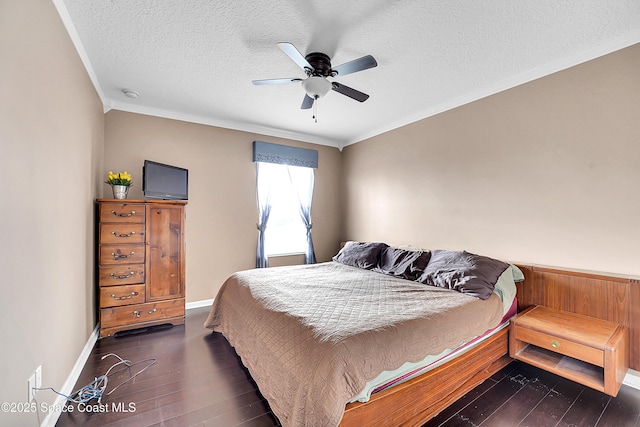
321,64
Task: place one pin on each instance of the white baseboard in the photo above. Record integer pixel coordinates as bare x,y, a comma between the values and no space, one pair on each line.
68,387
199,304
632,379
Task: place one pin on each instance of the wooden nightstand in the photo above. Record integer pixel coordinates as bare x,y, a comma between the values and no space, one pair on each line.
583,349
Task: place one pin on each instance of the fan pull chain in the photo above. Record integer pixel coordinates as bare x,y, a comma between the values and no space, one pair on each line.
315,109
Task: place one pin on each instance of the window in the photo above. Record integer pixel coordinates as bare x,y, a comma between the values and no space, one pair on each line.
284,191
286,232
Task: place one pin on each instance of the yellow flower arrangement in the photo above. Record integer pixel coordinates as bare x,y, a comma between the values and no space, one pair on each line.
121,178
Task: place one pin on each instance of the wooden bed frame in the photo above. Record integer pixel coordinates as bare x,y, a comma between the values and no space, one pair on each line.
418,400
610,297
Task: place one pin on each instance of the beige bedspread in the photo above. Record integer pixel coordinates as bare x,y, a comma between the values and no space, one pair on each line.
311,336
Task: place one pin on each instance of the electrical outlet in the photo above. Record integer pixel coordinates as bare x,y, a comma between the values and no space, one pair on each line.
39,377
34,382
31,382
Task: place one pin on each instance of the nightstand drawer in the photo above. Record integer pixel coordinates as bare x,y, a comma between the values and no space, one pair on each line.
568,348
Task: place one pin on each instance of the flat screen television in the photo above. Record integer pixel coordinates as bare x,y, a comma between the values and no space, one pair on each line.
160,181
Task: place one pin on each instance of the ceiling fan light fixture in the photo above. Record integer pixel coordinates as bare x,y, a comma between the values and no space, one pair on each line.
316,86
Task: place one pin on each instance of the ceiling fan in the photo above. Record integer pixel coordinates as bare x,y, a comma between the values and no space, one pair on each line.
317,67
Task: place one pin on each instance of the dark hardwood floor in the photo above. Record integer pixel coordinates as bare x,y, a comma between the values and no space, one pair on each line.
199,380
522,395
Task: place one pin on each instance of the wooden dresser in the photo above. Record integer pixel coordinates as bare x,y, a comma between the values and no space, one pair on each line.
141,258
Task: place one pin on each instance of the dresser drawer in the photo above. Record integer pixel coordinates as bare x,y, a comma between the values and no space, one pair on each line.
122,212
121,254
114,296
588,354
122,233
140,313
114,275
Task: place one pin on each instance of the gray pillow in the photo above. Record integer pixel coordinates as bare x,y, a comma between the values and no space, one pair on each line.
403,263
360,254
464,272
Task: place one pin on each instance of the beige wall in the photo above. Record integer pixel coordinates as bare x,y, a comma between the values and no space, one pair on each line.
51,142
544,173
221,214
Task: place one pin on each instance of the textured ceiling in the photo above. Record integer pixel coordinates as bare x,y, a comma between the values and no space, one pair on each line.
195,60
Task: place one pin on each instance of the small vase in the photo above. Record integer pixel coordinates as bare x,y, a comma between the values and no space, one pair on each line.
120,191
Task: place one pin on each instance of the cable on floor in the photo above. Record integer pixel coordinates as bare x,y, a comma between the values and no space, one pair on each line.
96,388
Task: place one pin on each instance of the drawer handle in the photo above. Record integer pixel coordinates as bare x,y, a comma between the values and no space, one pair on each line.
123,214
131,295
138,313
124,276
121,256
555,344
123,235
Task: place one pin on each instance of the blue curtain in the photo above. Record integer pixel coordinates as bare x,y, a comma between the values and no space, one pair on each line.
302,181
264,209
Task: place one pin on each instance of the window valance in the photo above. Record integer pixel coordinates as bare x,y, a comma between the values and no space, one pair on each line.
284,155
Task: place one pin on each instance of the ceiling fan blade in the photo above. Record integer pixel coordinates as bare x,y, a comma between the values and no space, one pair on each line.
307,102
276,81
295,55
350,92
359,64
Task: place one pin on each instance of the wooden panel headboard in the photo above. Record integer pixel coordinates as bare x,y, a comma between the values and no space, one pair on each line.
608,297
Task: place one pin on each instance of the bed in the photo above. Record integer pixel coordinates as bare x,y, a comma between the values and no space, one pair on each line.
314,336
